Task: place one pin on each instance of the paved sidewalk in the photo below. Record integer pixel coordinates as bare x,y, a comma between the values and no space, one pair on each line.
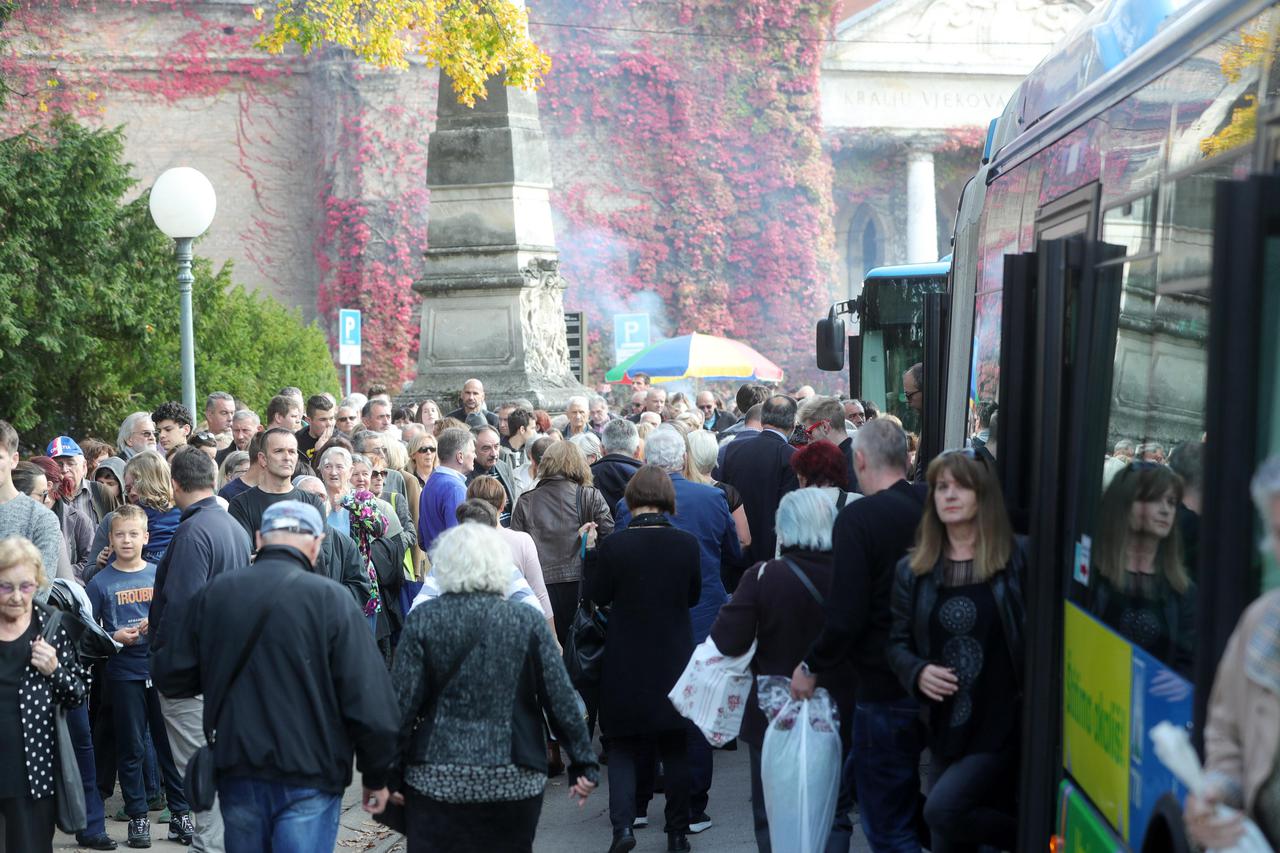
563,828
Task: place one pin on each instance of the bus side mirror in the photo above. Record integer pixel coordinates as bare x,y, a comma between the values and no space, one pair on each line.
831,342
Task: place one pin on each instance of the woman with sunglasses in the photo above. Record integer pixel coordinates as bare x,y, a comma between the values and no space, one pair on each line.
423,457
957,645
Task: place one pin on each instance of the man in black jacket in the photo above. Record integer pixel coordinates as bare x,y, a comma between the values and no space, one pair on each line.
614,470
869,538
207,544
313,687
760,469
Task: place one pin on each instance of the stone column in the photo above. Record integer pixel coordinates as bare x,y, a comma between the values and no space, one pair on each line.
922,207
492,293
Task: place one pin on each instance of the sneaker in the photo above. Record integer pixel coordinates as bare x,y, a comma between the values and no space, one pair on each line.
182,828
640,822
157,803
139,832
121,815
699,823
95,842
164,816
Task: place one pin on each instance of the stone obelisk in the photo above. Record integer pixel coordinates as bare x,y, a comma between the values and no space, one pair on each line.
492,292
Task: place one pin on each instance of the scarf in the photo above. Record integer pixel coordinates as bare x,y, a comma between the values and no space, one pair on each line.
367,524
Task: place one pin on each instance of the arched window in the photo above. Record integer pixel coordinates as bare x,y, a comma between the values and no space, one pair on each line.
863,246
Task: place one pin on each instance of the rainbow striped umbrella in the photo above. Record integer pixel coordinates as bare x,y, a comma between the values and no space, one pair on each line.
700,356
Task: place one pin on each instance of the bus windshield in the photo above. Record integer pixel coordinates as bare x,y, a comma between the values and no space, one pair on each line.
891,324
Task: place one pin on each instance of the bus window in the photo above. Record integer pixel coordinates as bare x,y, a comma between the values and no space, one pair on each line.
1141,561
893,339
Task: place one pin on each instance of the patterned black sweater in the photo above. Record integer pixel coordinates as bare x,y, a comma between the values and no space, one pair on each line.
506,670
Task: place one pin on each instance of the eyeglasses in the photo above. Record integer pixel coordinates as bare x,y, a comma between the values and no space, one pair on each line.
145,433
811,429
907,395
426,449
26,587
378,475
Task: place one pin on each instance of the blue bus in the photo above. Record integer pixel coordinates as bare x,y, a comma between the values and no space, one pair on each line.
1116,291
890,315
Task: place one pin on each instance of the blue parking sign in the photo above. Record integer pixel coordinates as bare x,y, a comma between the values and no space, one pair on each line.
630,335
348,336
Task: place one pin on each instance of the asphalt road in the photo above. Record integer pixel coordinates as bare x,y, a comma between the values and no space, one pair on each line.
564,828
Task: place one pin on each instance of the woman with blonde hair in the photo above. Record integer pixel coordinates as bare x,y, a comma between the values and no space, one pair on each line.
956,644
698,465
562,505
146,484
37,676
422,457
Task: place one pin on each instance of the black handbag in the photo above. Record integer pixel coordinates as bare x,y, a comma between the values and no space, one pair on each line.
68,789
93,644
584,648
201,782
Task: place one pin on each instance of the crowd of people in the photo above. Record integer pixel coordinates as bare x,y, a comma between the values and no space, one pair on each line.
338,582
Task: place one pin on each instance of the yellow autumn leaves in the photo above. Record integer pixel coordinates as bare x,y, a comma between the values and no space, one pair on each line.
470,40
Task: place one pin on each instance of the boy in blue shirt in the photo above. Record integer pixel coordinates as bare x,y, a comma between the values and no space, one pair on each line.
121,598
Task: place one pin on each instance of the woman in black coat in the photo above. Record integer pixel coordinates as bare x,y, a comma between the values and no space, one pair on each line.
957,644
649,574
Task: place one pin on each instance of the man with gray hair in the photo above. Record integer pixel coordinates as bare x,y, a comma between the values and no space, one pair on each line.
702,511
219,408
137,433
869,538
576,414
244,425
614,470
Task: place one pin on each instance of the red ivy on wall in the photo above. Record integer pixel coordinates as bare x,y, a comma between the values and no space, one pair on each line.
690,177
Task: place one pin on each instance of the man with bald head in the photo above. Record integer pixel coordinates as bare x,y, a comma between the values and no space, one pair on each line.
473,403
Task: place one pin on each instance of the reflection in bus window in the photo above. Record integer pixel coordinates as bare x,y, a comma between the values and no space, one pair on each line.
1140,584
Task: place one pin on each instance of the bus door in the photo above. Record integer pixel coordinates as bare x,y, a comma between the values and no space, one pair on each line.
1047,293
1154,543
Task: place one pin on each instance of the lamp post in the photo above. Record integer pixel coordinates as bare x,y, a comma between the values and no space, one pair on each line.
182,205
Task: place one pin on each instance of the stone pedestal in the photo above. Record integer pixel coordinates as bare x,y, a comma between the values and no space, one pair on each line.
493,304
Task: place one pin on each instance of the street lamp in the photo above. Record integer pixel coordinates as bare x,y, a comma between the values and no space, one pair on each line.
182,206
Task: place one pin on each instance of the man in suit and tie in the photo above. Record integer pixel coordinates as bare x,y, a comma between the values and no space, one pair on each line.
760,469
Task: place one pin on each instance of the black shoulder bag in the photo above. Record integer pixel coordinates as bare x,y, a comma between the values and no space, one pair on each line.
584,648
201,782
68,790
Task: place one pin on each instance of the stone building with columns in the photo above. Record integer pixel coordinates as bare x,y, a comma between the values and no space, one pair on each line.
908,89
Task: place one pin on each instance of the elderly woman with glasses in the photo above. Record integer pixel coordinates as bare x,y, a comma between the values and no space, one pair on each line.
373,524
36,678
475,674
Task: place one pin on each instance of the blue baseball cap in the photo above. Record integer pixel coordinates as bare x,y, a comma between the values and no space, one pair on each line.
63,445
292,517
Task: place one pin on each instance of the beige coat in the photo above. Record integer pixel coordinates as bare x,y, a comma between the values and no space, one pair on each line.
1243,728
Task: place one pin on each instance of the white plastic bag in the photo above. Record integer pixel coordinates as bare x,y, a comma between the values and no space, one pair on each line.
712,691
799,765
1174,750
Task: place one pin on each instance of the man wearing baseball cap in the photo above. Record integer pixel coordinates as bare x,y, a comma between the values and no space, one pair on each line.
313,689
70,458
